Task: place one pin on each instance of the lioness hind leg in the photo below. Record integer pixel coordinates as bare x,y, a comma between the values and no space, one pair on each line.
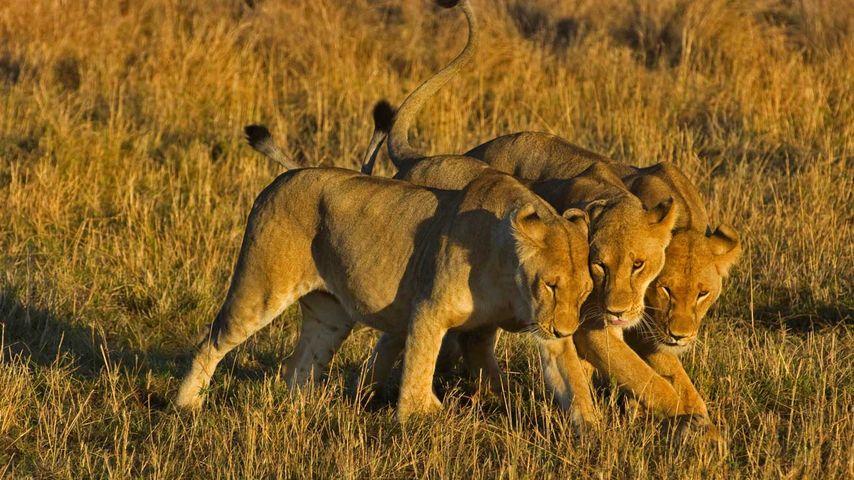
325,326
478,349
260,290
245,311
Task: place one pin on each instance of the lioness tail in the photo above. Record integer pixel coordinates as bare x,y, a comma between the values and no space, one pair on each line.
261,141
399,149
383,119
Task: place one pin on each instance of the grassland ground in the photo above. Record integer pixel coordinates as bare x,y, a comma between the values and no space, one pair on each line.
125,184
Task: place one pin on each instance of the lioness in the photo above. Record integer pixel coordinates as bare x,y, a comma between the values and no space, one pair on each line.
697,258
490,254
696,262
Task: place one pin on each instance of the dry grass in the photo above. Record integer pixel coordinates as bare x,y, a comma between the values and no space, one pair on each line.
124,186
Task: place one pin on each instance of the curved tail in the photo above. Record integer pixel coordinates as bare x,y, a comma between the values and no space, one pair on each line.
261,141
383,119
399,149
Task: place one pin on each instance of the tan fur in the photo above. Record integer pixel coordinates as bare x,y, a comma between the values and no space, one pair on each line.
698,257
410,261
455,172
622,232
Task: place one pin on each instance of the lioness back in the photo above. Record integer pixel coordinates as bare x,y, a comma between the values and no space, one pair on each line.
371,224
532,155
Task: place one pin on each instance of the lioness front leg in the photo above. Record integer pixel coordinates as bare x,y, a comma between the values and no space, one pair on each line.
379,365
670,367
611,356
569,382
419,364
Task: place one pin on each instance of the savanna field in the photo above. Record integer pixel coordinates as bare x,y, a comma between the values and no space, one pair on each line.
125,184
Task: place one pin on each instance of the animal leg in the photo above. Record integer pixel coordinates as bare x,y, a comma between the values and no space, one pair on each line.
249,306
611,356
379,365
670,367
450,353
569,381
478,349
419,364
325,326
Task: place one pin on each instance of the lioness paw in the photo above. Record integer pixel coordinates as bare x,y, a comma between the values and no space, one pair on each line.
408,407
700,430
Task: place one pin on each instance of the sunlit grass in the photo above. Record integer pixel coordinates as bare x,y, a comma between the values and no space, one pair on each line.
125,184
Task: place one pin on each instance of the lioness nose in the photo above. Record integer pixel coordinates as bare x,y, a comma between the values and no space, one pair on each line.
677,337
558,334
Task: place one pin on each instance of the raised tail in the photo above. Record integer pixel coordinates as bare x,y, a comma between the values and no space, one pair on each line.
399,149
261,141
383,119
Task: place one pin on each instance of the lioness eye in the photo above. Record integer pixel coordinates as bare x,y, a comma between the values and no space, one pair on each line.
665,290
637,265
552,289
703,294
600,267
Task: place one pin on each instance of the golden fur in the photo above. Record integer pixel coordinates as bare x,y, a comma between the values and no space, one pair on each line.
697,259
455,172
564,375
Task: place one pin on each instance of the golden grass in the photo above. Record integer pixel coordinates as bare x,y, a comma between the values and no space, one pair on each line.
124,186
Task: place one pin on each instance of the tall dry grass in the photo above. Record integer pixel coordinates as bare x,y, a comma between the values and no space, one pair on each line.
124,186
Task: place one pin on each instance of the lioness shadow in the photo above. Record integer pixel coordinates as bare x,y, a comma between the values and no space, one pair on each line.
41,337
803,314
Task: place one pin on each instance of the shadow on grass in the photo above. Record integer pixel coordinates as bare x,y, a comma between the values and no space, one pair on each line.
803,313
42,338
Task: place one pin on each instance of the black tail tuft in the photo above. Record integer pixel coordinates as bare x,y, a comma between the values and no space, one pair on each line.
448,3
257,135
383,116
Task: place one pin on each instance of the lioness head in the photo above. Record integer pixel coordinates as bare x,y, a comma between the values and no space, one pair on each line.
689,284
551,271
626,253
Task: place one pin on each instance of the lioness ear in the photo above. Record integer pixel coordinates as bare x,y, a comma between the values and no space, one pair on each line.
663,215
527,222
726,246
578,217
594,209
